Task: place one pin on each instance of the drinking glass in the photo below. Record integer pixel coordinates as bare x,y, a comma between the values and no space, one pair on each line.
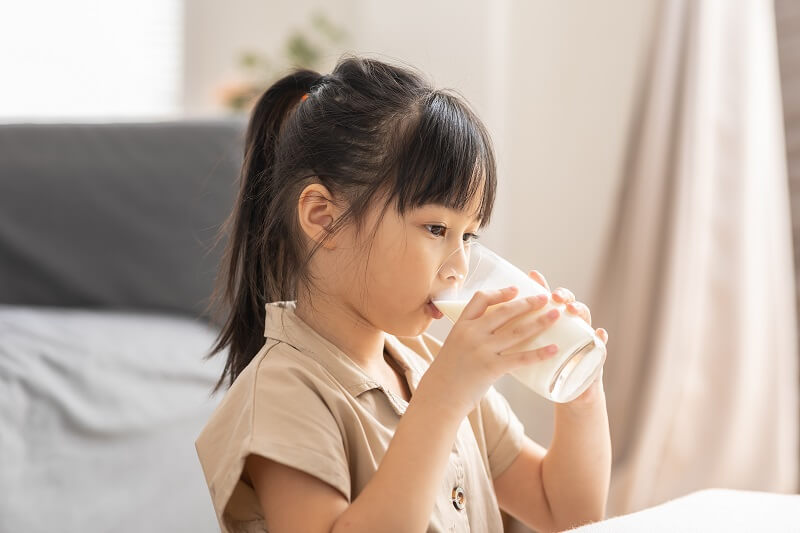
560,378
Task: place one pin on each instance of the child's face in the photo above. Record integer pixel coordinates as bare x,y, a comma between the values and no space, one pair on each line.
403,270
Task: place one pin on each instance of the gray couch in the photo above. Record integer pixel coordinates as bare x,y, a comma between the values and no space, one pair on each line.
106,266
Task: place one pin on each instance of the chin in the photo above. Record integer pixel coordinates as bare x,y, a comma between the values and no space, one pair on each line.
414,326
426,322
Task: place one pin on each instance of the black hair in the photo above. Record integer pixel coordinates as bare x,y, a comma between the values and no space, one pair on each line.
368,130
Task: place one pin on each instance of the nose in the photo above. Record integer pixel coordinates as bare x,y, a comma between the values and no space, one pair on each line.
455,266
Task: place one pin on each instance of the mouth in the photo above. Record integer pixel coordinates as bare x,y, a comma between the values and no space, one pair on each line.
434,310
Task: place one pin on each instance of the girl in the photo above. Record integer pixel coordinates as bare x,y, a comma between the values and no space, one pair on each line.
356,187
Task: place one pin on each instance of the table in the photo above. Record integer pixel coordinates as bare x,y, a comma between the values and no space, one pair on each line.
710,510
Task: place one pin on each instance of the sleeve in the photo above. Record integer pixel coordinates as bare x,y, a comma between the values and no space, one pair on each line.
275,410
503,432
293,425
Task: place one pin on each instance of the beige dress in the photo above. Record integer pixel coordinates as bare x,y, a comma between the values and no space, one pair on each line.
302,402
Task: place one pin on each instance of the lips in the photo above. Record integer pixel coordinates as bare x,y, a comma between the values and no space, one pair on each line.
434,310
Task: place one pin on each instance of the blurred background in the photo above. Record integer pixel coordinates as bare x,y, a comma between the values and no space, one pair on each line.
648,161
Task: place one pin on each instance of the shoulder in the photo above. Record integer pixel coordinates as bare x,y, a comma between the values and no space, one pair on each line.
277,366
277,379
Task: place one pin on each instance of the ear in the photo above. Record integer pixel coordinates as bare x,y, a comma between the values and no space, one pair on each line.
316,211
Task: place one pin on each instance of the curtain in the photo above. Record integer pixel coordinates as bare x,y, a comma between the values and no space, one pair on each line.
787,14
697,287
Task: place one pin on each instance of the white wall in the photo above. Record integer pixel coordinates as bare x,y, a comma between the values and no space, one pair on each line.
216,32
553,80
569,95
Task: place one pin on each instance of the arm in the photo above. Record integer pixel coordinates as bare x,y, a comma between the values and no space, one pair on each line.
577,468
566,485
399,497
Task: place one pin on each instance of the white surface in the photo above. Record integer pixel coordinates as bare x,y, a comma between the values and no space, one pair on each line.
708,511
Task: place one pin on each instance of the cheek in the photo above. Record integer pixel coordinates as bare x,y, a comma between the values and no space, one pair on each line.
401,270
404,278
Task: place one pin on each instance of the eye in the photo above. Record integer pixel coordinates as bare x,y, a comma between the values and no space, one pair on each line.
433,229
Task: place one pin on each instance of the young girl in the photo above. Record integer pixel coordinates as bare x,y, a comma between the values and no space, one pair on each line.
356,187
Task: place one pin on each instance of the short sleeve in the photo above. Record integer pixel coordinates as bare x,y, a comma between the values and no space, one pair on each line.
503,432
275,409
294,426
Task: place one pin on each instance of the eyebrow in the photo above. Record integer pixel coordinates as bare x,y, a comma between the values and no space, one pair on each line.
475,219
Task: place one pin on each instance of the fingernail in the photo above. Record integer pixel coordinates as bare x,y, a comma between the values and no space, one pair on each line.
510,288
551,349
553,313
539,298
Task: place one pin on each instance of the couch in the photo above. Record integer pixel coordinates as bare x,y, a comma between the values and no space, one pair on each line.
106,267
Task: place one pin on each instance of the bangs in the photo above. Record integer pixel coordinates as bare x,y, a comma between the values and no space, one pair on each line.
445,158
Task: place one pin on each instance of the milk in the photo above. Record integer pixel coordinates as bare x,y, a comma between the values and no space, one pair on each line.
564,376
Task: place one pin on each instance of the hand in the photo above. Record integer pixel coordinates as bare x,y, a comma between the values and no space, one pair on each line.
470,359
565,296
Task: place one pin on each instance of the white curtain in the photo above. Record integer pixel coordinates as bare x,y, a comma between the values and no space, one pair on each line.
697,289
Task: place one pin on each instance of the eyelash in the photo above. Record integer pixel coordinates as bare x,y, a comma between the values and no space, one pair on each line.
474,237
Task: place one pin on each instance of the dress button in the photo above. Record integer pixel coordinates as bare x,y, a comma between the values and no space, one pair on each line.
458,498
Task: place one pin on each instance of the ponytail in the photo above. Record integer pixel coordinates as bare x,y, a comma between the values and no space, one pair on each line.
249,259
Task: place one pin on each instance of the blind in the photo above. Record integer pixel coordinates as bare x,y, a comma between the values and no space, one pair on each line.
90,59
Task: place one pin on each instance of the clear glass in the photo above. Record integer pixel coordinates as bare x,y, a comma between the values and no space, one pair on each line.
581,355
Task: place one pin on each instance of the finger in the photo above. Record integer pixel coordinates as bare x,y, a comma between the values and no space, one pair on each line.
603,334
562,295
518,359
538,278
580,309
481,301
511,310
524,330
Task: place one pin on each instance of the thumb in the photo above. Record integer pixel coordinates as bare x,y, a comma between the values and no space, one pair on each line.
481,301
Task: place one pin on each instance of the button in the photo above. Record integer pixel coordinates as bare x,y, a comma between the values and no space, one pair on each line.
458,498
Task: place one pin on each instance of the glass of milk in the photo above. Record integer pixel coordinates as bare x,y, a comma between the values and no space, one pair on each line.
581,354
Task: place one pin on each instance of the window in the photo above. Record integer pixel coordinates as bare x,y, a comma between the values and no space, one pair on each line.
90,59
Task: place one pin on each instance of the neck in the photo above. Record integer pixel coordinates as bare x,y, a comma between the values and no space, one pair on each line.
345,328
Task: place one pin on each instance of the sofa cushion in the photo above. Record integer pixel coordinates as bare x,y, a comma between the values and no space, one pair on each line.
115,215
99,413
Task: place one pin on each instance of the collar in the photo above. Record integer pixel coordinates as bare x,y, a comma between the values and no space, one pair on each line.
284,325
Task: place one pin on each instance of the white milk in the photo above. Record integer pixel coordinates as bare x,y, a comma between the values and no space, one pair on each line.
570,333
